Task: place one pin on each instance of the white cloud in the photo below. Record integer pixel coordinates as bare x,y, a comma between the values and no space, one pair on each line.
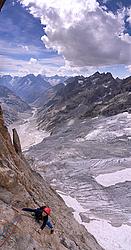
26,48
46,66
33,61
128,68
73,71
18,49
126,38
52,66
83,32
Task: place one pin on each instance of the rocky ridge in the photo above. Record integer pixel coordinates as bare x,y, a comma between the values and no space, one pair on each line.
20,186
86,97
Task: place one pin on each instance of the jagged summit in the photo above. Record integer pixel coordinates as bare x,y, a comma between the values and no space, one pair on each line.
96,74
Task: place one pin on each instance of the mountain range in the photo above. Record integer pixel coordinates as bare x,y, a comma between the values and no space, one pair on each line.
86,97
17,93
30,87
75,97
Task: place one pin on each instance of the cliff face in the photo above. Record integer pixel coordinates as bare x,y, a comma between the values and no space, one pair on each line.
20,187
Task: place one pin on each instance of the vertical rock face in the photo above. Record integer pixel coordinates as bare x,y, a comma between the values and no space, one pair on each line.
22,187
16,143
3,129
1,115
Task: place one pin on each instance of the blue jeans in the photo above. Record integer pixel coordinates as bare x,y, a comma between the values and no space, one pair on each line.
48,223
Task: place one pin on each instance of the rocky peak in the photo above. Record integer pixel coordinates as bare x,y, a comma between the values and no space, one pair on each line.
96,74
118,80
16,143
98,78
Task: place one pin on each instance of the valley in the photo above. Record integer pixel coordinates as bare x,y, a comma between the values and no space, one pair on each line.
77,136
74,161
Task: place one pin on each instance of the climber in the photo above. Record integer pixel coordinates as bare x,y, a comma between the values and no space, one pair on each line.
41,213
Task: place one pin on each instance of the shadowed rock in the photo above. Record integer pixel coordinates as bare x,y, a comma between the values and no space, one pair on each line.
16,142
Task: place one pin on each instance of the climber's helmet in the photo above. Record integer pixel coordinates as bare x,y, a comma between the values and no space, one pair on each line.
47,210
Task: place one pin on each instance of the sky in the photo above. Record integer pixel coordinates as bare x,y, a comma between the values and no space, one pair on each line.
65,37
